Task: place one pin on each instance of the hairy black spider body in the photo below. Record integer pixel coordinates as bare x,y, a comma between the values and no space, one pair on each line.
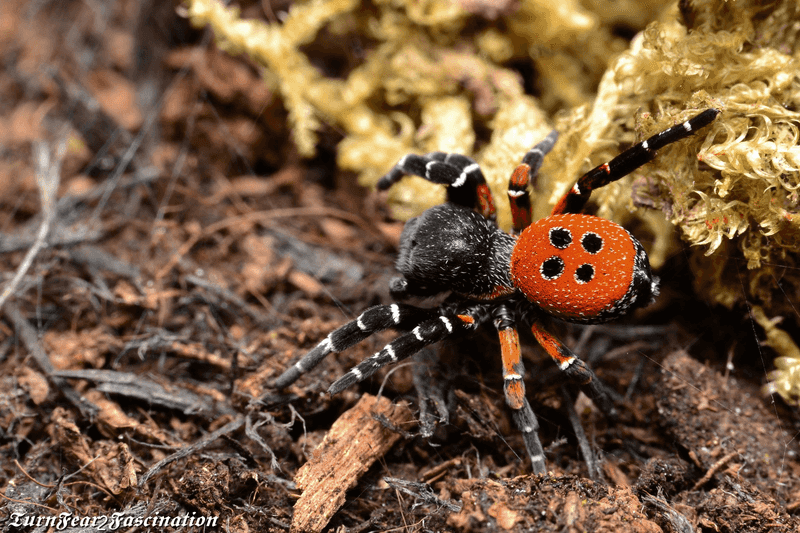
452,248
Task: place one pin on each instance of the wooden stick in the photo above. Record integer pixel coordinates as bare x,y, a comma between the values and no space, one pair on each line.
355,441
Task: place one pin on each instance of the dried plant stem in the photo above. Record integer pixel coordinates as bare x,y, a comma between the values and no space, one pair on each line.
48,175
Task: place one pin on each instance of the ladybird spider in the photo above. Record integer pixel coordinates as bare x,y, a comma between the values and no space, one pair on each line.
575,267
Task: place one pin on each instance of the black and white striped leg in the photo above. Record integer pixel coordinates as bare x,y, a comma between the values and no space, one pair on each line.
579,373
527,173
431,390
417,165
406,345
628,161
374,319
535,155
526,423
463,177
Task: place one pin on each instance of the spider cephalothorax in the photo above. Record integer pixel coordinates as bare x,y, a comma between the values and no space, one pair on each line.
571,266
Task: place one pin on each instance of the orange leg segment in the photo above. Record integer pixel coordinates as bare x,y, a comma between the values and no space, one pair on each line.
562,355
485,201
513,385
514,389
519,198
574,369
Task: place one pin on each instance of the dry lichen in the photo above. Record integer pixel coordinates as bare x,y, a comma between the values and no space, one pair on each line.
435,76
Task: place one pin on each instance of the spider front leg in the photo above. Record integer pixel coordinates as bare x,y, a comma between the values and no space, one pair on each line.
574,369
514,388
526,173
378,318
463,177
628,161
406,345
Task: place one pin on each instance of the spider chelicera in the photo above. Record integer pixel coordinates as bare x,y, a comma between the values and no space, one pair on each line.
575,267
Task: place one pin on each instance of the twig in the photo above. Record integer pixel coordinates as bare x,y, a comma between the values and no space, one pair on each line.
353,444
143,176
139,387
30,339
422,492
255,217
48,175
230,427
251,430
233,298
716,467
111,182
677,522
27,475
26,502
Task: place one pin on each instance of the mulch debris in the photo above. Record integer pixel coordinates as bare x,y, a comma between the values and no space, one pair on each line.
189,256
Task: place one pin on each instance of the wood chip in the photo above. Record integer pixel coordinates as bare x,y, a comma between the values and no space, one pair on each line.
355,441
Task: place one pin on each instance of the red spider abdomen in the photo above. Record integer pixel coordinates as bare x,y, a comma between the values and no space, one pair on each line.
578,267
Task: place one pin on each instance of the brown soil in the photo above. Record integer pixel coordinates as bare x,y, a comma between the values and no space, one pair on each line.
192,256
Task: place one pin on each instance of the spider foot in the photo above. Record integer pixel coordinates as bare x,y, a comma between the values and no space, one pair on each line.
430,393
526,423
535,155
589,456
309,361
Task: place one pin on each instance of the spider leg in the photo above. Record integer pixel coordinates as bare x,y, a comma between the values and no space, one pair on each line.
574,369
519,198
628,161
374,319
406,345
514,388
463,177
431,392
525,173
